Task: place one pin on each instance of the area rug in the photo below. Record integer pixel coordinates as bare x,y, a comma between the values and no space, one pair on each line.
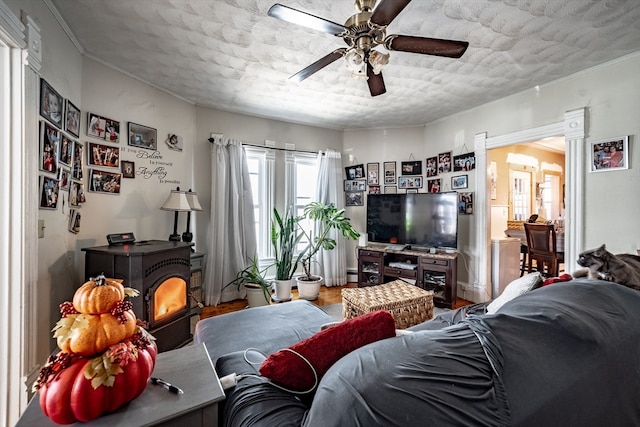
335,310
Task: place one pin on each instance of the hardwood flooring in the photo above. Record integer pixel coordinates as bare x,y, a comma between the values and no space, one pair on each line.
327,296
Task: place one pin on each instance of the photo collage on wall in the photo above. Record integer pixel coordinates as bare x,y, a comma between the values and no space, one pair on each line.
60,151
103,158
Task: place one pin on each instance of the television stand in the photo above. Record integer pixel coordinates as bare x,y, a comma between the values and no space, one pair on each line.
435,272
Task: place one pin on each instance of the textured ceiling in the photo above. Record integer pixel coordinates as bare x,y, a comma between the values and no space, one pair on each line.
229,54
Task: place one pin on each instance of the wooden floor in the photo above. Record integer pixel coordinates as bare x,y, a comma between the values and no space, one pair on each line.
327,296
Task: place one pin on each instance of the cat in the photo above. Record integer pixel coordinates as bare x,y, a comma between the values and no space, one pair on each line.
602,264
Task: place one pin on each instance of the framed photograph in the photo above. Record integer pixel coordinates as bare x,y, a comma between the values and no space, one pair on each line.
143,136
64,177
72,121
389,173
66,149
434,185
103,155
174,142
354,198
465,203
51,104
406,182
444,162
390,189
374,189
373,173
610,154
412,190
112,130
76,193
77,161
49,146
104,182
413,167
354,171
128,169
458,182
464,162
96,125
354,185
432,166
74,221
49,190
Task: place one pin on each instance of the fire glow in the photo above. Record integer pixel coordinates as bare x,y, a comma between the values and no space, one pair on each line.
169,298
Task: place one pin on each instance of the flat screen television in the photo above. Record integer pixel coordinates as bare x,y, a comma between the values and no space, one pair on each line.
428,220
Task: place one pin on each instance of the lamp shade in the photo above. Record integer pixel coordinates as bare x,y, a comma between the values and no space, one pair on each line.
192,198
177,201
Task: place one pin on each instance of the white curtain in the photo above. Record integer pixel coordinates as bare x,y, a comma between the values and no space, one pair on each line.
231,237
332,264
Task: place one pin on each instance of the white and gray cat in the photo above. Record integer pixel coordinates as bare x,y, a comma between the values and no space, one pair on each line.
602,264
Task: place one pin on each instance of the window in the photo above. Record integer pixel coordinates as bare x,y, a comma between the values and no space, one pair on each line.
520,195
298,189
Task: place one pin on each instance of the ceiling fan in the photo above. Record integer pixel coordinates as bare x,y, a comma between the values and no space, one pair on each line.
363,32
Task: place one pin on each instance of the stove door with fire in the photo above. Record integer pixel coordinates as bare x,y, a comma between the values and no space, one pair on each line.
160,271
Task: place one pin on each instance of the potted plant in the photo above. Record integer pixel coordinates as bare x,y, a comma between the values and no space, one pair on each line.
253,280
286,233
325,218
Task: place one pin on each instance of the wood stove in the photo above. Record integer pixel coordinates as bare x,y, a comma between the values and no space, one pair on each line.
161,272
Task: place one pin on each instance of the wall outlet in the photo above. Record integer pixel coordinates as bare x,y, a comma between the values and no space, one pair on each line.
41,229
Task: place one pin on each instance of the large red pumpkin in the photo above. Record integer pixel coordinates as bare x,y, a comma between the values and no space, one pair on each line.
74,388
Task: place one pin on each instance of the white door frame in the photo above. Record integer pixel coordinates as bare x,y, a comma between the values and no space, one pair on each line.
573,129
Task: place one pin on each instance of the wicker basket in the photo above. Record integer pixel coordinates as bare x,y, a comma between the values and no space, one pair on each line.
408,304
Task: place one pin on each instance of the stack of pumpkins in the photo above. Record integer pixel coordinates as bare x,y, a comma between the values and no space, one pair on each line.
106,355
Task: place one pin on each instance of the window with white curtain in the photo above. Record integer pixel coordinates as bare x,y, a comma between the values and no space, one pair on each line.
298,190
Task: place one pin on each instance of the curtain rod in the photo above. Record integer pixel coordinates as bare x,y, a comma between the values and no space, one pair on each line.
211,140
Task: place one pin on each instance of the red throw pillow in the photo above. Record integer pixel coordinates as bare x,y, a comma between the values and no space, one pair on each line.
323,349
564,278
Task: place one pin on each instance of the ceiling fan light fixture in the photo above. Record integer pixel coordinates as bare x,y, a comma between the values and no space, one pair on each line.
355,59
378,61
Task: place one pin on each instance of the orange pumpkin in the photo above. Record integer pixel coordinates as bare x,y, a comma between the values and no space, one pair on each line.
88,334
98,295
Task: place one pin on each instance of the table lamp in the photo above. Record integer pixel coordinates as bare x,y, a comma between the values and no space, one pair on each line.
192,199
177,202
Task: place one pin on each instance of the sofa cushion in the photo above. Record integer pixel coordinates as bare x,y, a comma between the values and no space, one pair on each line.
302,365
516,288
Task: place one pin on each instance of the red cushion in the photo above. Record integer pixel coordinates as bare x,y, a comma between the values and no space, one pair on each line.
564,278
324,349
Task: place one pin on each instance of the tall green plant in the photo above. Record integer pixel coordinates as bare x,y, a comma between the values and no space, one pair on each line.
328,218
285,236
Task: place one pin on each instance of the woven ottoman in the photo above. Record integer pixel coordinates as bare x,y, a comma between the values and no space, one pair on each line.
408,303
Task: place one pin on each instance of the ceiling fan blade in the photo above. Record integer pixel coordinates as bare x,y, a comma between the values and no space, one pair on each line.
305,19
318,65
426,46
387,10
375,82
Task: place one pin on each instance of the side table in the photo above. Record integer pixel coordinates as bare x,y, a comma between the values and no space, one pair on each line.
189,368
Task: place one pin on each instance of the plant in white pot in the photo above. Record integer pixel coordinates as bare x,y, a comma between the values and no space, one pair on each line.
285,236
325,217
253,280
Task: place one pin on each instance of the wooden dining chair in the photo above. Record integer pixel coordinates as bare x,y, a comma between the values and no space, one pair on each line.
541,248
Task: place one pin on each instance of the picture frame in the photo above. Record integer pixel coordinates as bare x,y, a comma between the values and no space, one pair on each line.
434,185
459,182
373,173
374,189
51,104
432,166
389,173
354,198
143,136
76,193
354,185
464,162
444,162
103,155
390,189
412,191
354,171
74,221
112,130
77,161
465,203
72,120
96,125
174,142
66,150
64,177
412,167
49,192
128,169
104,182
49,147
407,182
609,154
